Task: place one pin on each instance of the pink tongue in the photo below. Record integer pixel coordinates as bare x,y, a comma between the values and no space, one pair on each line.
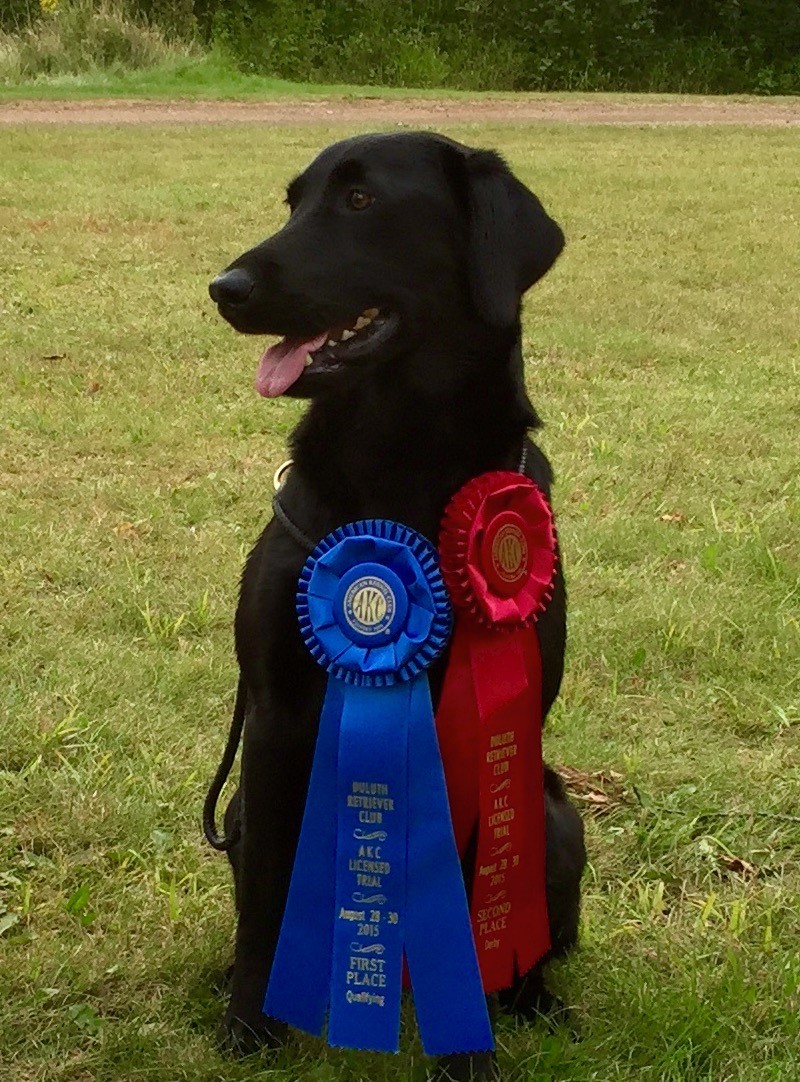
283,364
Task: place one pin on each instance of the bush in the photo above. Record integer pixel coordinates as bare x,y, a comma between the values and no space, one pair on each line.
175,17
527,44
670,45
77,36
15,14
712,46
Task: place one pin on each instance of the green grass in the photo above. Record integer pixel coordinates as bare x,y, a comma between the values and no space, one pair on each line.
211,76
207,77
135,471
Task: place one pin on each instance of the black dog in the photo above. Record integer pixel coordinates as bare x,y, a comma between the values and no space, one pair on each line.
397,283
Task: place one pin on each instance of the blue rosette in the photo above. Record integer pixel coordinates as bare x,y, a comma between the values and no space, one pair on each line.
376,877
372,605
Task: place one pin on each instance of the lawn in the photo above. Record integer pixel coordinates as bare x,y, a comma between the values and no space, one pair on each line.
135,471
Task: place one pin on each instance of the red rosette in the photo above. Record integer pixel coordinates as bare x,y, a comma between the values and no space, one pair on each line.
498,561
498,550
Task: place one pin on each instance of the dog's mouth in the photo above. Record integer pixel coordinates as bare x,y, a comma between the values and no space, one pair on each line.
292,359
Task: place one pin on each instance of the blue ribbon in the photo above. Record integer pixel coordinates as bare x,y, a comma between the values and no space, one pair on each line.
376,877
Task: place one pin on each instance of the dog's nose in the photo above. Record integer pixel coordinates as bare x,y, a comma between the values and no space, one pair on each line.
231,287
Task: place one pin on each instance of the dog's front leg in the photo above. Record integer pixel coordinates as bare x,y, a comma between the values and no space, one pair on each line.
275,772
466,1067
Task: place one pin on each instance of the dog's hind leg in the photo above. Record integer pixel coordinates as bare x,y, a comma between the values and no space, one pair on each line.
274,783
233,824
529,997
479,1067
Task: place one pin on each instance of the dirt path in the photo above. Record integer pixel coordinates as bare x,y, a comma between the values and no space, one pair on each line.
410,111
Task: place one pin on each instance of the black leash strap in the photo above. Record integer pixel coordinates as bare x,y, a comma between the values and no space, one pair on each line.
220,841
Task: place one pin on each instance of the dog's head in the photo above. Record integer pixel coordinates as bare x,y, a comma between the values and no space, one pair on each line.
392,240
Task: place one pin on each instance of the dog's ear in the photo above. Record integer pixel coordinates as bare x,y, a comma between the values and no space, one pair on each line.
513,242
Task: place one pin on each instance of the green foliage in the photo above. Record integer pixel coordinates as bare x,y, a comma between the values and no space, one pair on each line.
474,45
716,45
14,14
76,36
664,45
730,45
175,17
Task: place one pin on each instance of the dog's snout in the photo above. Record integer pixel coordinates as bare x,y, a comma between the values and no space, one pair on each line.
231,287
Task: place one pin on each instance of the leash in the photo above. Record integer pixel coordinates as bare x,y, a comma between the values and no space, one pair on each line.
221,842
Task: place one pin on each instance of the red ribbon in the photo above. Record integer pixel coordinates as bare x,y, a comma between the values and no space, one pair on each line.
498,556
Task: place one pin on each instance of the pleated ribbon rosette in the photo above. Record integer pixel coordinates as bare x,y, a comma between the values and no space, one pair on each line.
376,878
498,559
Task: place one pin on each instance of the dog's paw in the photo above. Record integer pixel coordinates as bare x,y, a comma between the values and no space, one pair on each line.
478,1067
239,1037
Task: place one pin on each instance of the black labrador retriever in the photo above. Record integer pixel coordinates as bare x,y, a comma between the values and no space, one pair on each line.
396,286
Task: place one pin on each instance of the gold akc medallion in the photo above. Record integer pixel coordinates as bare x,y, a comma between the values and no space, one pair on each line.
369,605
510,553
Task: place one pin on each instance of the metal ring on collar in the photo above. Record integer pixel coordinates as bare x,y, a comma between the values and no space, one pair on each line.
280,474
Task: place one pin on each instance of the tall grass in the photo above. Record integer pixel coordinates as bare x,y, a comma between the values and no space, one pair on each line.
80,36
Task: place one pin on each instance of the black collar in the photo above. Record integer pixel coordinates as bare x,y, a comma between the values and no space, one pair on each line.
302,539
294,531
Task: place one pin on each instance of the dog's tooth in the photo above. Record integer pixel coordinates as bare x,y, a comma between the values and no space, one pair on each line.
309,360
348,334
331,341
361,323
370,313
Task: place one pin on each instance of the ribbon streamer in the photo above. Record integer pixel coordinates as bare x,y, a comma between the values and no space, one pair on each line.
376,877
498,552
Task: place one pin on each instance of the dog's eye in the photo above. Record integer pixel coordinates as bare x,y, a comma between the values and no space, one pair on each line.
358,199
